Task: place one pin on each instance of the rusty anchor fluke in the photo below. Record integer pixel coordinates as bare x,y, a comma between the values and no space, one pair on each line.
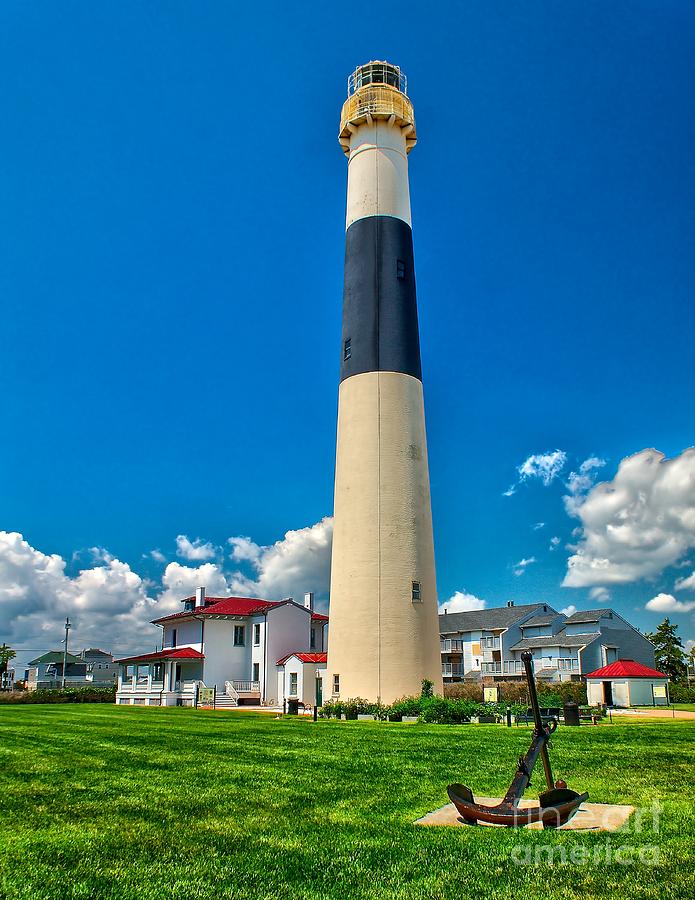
556,806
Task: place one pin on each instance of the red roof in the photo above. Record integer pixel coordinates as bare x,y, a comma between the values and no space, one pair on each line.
222,606
305,657
168,653
626,668
319,617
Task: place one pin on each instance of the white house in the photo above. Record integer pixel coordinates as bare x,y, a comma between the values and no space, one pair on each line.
231,644
300,677
627,683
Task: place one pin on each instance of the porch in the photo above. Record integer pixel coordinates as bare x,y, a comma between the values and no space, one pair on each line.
170,677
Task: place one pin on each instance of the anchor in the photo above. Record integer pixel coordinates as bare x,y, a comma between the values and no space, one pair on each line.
556,806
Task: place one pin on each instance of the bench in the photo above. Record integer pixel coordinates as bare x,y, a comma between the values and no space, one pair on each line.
548,713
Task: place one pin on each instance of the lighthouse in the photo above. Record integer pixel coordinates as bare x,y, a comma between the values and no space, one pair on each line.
383,632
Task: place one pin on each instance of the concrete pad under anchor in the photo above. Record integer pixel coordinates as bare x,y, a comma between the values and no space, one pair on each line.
589,816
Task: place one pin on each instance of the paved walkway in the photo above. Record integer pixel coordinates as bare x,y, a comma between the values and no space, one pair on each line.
655,713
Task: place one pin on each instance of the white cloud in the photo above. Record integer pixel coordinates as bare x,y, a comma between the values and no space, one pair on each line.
157,556
636,525
193,550
569,610
543,466
602,594
520,567
300,562
538,526
179,582
460,601
685,584
554,542
108,604
689,646
578,483
244,549
664,603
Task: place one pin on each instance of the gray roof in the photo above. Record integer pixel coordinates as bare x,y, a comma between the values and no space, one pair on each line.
557,640
587,615
544,619
485,619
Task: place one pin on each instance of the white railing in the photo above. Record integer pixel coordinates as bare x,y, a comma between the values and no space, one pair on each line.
452,645
247,687
230,690
490,643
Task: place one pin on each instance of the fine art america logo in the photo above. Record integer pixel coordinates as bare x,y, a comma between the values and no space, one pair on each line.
616,849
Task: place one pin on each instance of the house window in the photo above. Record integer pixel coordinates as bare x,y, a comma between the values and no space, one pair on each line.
256,672
336,684
347,349
312,639
417,592
173,637
400,269
239,635
157,672
293,684
256,634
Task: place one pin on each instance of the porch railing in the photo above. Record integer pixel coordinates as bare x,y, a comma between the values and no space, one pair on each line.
452,645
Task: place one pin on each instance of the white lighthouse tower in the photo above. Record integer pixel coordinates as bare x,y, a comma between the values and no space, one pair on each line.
383,632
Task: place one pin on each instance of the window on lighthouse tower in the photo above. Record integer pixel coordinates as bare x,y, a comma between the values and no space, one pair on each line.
347,349
417,592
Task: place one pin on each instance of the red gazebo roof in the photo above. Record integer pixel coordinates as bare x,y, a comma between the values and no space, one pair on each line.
626,668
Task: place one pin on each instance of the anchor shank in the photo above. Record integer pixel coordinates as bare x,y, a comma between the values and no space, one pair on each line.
527,660
523,772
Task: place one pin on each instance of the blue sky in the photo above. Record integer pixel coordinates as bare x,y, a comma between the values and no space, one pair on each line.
172,217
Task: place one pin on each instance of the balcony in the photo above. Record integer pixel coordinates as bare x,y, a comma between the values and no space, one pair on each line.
489,643
516,667
452,645
452,670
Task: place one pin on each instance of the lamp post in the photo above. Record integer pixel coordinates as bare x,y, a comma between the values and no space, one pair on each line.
317,673
68,626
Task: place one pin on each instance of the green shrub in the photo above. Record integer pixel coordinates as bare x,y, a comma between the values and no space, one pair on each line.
681,693
427,689
69,695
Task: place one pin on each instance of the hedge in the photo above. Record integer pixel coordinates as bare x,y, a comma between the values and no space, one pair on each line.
69,695
439,710
517,692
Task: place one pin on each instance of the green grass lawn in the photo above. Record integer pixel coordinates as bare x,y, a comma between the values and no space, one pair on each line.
101,801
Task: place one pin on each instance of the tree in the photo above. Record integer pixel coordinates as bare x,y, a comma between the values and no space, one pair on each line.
6,654
668,650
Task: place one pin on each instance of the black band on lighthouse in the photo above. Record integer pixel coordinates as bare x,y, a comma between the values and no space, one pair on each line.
380,328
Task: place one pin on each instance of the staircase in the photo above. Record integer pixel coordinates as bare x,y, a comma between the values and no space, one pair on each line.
230,698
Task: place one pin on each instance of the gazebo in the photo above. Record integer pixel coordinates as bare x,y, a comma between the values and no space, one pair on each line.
627,683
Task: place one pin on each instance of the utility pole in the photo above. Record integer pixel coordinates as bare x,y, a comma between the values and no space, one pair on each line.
68,626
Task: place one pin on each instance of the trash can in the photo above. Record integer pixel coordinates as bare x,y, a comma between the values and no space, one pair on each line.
571,713
293,707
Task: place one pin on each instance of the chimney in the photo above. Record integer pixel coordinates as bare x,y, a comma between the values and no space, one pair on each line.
199,597
309,600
